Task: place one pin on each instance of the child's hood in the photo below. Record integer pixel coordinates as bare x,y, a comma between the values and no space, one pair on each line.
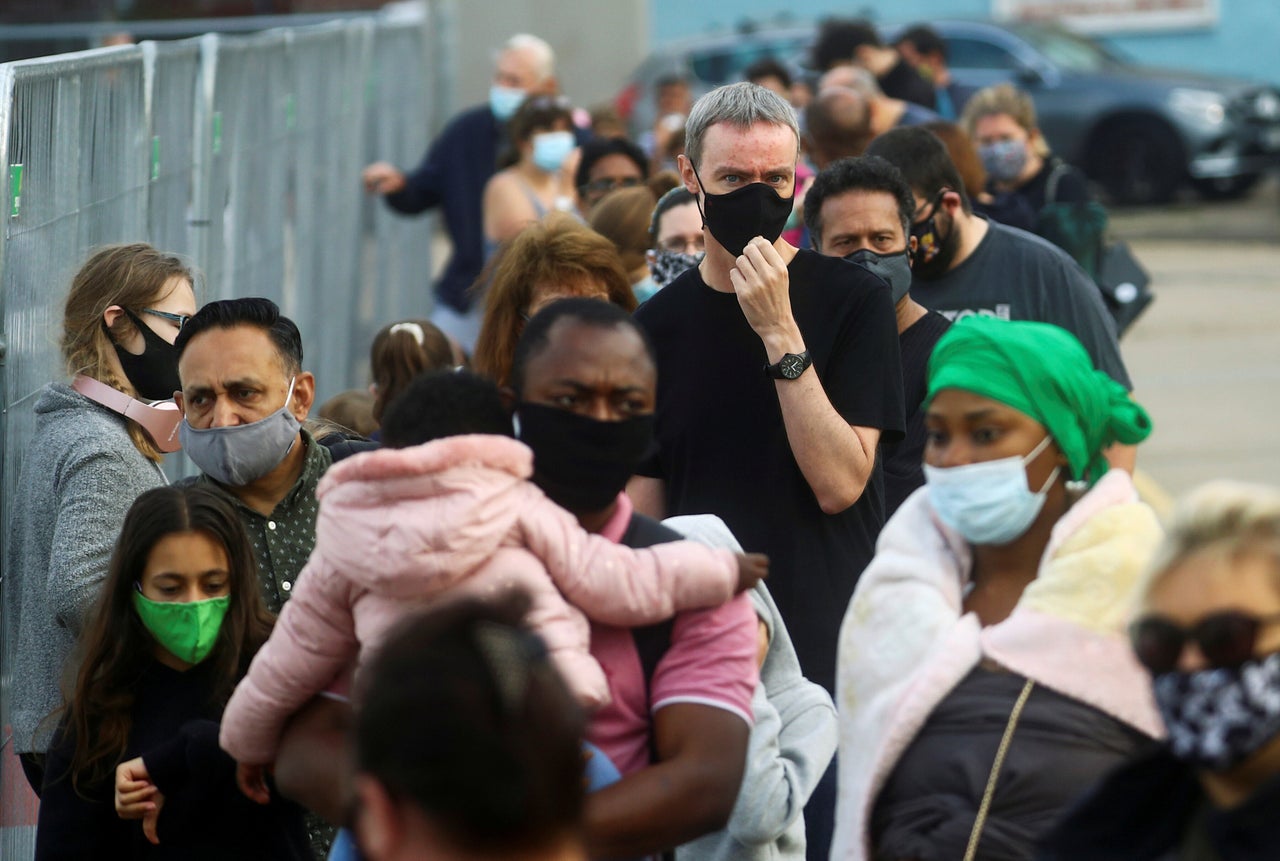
433,510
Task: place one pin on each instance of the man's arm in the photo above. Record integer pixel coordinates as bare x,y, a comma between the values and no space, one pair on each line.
648,495
689,792
314,764
835,457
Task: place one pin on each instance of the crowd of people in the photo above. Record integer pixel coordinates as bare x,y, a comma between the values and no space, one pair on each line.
758,488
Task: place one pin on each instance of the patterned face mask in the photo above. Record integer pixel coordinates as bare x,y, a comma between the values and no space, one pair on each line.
1218,717
668,264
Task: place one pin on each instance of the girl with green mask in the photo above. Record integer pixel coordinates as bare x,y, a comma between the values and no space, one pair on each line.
134,769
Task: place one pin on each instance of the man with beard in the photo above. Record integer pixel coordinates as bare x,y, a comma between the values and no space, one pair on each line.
964,264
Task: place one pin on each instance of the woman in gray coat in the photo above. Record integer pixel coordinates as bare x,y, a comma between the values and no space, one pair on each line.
97,445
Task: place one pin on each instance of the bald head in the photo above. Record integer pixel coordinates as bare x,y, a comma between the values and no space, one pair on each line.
839,124
526,63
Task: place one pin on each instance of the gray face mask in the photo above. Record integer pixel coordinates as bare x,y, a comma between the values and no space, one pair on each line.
238,455
894,268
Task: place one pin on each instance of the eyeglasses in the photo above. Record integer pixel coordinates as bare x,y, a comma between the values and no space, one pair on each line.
609,183
684,244
1226,640
178,320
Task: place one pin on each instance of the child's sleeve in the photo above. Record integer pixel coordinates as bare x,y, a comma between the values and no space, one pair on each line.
616,585
313,641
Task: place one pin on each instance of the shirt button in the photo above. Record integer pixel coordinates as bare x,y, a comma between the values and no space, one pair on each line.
271,524
286,585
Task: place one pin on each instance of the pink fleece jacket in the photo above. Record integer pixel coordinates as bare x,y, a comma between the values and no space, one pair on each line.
457,516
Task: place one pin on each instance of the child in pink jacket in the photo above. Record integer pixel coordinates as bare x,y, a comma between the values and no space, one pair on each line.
456,516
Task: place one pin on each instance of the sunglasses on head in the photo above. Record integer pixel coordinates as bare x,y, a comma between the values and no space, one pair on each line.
1226,640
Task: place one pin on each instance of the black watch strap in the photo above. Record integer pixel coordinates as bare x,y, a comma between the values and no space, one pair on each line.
789,367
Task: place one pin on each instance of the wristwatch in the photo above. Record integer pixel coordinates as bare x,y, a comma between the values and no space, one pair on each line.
789,367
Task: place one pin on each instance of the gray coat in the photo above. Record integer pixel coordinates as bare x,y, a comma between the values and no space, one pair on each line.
80,474
791,744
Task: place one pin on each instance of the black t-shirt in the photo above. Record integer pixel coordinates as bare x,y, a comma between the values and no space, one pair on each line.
903,461
723,448
1015,275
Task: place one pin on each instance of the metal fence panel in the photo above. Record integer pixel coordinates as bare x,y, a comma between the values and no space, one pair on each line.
241,153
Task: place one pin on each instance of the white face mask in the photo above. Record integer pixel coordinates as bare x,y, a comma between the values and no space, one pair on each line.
988,502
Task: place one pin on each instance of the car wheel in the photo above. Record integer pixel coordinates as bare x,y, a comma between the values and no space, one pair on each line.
1226,188
1138,161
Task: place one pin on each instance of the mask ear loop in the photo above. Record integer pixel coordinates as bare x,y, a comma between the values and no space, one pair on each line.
1035,453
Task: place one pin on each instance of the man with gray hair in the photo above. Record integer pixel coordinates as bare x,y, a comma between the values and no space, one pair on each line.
779,375
455,170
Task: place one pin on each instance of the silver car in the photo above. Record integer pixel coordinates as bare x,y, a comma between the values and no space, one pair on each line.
1140,132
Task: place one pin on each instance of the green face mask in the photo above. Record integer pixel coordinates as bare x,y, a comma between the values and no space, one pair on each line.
188,630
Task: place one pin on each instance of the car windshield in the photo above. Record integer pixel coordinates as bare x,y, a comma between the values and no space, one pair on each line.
1070,51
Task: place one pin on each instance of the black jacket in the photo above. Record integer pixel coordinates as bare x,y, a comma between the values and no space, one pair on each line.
1142,811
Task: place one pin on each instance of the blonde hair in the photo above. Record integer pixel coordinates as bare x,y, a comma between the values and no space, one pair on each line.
558,250
1004,99
1230,519
131,276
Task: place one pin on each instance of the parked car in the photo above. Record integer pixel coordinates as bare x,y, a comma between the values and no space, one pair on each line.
1140,132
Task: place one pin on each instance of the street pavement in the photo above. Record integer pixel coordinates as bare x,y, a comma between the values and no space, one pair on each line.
1205,357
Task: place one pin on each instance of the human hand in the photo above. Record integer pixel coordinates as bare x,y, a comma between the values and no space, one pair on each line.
252,780
382,178
135,793
762,284
151,820
752,568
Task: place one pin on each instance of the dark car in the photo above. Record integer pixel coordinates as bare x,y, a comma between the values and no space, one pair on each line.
1140,132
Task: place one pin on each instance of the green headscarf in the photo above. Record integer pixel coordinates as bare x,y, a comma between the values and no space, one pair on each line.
1043,371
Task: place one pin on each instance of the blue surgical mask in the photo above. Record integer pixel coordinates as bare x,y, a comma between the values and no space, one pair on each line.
237,455
505,101
1004,160
550,149
894,268
988,502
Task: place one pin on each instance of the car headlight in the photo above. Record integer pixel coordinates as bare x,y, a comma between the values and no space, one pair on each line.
1204,106
1266,105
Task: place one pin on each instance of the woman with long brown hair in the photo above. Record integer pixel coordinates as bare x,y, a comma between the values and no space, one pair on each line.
557,258
97,444
179,619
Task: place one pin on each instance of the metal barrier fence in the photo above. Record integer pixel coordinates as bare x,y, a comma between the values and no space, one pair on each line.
242,153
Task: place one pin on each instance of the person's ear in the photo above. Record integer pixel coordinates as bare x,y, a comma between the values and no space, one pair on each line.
650,258
952,202
509,398
912,244
111,315
687,175
373,390
379,830
178,399
549,87
304,395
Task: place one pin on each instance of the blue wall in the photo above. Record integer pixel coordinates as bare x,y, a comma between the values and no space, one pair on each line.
1242,44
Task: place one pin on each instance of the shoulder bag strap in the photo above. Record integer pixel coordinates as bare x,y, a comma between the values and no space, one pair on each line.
983,809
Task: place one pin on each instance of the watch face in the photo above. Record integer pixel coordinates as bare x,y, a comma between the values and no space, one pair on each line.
792,366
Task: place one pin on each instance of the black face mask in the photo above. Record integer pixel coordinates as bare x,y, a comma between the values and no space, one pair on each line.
934,252
894,268
741,215
581,463
153,373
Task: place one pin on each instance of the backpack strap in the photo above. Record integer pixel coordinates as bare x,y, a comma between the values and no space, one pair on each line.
1060,169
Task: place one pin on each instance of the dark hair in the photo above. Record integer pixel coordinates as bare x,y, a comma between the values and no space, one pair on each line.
678,196
837,40
115,648
589,312
925,39
868,173
438,404
492,755
253,311
535,112
400,352
768,67
923,159
597,148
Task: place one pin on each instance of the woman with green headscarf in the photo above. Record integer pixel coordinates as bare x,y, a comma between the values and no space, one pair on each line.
985,678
